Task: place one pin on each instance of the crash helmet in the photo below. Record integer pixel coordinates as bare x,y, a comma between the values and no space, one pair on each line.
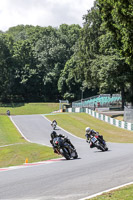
87,129
53,134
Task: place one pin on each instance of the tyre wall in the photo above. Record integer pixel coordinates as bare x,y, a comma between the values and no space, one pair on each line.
112,121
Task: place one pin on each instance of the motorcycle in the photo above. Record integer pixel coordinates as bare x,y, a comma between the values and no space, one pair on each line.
65,149
53,125
99,143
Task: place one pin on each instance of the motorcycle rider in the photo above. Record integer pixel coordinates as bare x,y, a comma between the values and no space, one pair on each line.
54,135
90,132
54,121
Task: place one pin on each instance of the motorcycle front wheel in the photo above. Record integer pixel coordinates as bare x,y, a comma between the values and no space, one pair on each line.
76,155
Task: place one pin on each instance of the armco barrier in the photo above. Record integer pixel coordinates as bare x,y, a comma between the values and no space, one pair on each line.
115,122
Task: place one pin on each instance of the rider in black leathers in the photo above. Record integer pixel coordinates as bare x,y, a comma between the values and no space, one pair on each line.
54,121
90,132
54,135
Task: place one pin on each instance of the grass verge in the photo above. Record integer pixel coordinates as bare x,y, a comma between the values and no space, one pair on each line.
77,122
8,132
125,193
29,108
21,149
72,122
17,154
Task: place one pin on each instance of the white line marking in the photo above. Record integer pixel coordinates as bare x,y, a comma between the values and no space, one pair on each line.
100,193
31,164
24,136
64,130
105,191
43,115
7,145
19,130
50,161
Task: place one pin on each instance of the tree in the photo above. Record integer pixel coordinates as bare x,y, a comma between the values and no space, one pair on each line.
117,17
88,47
6,71
110,67
68,85
52,52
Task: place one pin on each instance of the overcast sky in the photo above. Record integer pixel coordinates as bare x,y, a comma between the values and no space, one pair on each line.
42,12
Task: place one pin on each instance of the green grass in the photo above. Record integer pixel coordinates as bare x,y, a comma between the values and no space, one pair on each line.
125,193
121,118
17,154
8,132
72,122
77,122
29,108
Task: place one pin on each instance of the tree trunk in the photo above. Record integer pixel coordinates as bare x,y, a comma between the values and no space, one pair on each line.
123,97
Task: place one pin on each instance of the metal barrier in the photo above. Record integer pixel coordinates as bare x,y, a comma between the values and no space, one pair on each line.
128,114
112,121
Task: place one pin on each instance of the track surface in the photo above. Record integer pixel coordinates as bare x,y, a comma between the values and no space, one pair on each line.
93,172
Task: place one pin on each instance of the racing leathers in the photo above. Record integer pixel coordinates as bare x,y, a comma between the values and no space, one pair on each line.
65,138
93,133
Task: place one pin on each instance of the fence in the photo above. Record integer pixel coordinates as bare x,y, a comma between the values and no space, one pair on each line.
102,100
112,121
128,114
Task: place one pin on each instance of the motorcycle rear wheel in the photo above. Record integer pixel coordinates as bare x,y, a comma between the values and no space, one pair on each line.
65,154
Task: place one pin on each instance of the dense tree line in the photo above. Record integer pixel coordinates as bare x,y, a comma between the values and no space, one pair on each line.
48,64
32,59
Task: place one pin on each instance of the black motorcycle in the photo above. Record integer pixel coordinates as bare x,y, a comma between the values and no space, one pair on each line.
65,149
98,143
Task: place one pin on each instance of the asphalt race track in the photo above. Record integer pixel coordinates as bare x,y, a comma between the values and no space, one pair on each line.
93,172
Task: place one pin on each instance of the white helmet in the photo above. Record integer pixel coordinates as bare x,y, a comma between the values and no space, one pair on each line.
87,129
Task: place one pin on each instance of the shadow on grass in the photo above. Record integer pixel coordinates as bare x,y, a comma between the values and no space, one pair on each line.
13,105
113,116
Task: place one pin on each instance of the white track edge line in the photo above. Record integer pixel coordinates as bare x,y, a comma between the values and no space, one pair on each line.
23,134
64,129
105,191
43,115
19,130
97,194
